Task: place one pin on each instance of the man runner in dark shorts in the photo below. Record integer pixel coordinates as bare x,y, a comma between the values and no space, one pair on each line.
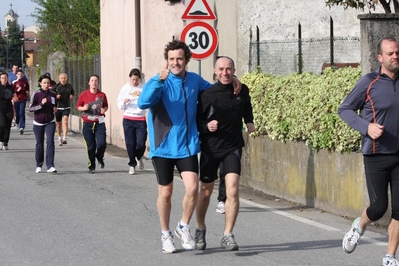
64,93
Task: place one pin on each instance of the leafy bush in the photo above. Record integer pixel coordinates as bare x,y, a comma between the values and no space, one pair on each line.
303,107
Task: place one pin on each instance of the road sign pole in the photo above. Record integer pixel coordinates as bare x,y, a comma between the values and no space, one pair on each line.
199,67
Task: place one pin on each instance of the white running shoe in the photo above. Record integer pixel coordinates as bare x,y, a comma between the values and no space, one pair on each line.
51,170
183,232
220,207
1,145
140,164
351,238
59,141
38,169
132,171
168,244
390,261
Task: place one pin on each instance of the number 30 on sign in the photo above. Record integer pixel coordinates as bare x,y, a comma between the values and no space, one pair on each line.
201,38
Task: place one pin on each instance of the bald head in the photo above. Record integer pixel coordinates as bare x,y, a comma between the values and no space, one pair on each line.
224,70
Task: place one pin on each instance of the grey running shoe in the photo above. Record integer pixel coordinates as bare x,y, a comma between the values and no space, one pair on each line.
92,171
228,242
102,164
21,131
200,242
220,207
5,147
64,141
140,164
59,142
168,244
1,145
351,238
184,234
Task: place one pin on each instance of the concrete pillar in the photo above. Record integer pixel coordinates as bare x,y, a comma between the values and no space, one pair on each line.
374,27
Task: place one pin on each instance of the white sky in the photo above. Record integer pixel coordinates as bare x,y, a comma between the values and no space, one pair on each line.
22,7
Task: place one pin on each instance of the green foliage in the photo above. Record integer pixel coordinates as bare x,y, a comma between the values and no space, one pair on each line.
69,26
361,4
11,45
3,50
303,107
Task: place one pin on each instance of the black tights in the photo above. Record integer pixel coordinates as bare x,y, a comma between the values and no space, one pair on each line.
382,170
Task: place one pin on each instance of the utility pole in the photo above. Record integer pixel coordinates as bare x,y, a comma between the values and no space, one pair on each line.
22,53
7,53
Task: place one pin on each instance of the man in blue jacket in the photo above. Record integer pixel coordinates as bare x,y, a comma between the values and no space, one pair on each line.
171,97
376,95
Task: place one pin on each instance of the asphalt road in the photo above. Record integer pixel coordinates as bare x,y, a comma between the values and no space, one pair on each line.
110,218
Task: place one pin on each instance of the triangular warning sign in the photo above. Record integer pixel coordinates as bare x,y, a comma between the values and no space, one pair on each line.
198,9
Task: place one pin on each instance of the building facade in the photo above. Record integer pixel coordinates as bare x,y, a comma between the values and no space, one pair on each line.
134,33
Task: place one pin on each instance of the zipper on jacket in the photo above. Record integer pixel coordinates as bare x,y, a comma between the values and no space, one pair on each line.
186,111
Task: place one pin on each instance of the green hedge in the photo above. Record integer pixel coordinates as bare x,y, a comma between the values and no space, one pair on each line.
303,107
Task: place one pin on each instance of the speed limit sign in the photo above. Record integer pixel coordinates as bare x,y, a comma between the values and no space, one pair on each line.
201,38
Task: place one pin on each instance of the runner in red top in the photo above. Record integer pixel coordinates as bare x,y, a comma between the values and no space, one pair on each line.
21,88
93,104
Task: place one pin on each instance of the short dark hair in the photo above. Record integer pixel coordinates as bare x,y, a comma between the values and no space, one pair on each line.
176,45
20,70
44,76
135,72
94,75
379,49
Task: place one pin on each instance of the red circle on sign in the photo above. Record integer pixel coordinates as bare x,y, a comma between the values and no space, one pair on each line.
208,28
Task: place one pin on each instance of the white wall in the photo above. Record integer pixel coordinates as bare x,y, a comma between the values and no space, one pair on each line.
278,19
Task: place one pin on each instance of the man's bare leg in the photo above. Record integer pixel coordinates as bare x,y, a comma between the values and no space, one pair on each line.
190,180
393,240
164,205
205,193
232,202
65,126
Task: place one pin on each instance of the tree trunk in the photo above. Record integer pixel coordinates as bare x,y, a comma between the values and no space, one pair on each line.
386,6
396,6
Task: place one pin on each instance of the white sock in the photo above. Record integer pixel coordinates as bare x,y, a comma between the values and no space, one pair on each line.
358,229
182,224
166,233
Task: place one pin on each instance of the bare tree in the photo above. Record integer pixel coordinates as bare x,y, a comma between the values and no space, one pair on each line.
370,4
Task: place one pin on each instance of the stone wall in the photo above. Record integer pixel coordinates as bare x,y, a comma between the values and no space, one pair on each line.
327,180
